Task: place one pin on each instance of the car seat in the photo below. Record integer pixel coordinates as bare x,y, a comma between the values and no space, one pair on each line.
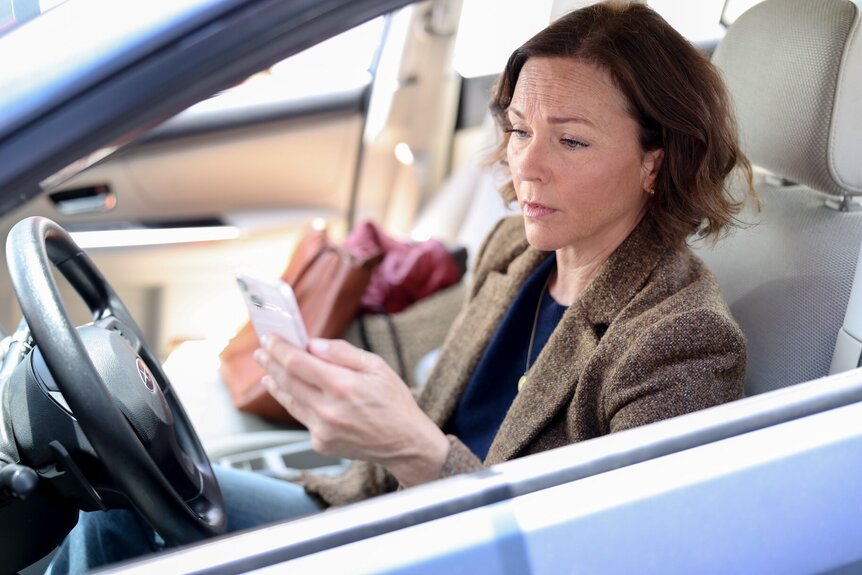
794,72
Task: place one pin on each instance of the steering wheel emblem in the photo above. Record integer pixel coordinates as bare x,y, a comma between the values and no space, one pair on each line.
145,374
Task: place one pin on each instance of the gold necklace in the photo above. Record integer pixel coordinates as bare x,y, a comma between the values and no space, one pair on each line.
523,379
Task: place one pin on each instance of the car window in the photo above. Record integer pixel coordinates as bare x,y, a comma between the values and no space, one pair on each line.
698,21
347,58
704,20
701,21
734,8
512,25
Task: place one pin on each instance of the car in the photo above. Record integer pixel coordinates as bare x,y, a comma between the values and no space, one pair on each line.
177,142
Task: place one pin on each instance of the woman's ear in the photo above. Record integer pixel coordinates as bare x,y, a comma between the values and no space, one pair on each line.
650,168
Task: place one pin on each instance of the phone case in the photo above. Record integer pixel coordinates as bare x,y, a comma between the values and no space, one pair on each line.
273,309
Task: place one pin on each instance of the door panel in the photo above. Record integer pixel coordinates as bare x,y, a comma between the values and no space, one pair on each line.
268,179
300,162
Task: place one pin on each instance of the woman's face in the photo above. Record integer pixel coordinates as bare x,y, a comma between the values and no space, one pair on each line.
577,165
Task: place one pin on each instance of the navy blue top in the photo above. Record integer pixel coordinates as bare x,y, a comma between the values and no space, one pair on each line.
494,383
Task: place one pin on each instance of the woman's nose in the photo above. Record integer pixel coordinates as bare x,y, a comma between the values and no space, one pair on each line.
531,162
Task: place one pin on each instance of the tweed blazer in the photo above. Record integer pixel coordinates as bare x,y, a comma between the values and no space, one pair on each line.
649,338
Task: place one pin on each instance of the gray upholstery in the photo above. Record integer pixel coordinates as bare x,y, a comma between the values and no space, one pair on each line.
788,276
788,279
794,69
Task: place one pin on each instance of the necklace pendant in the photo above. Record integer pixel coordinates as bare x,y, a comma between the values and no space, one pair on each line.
521,382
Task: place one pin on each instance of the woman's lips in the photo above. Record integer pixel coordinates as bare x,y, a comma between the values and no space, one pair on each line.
537,210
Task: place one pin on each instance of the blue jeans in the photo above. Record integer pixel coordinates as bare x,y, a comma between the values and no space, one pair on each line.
104,537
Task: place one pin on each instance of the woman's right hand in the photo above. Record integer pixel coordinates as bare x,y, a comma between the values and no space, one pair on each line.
355,406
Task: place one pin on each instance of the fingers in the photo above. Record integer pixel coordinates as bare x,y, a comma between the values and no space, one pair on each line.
284,361
287,399
353,404
344,354
280,392
294,394
335,354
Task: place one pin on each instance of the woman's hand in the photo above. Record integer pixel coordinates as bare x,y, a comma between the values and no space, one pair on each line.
355,406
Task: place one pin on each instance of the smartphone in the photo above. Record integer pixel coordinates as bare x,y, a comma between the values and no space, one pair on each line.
273,309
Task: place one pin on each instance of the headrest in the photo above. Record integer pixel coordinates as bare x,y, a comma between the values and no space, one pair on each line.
794,72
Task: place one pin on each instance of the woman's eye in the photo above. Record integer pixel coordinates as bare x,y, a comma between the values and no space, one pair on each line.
517,132
573,144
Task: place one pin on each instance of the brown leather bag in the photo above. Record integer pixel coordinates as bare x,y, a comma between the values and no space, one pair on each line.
328,283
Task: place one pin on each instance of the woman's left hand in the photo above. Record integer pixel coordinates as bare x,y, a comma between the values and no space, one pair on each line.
354,406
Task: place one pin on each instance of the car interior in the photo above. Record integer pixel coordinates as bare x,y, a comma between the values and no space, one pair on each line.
790,292
260,168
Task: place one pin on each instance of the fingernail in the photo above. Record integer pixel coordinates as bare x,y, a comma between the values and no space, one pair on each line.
259,355
266,341
318,345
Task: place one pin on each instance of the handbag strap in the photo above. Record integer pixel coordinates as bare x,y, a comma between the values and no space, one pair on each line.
307,266
393,332
372,261
325,246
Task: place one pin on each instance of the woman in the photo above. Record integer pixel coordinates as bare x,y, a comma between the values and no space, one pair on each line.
587,314
619,145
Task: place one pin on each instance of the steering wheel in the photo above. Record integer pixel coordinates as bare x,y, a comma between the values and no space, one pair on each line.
113,386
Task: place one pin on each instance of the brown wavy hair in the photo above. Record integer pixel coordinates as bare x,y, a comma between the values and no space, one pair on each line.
674,93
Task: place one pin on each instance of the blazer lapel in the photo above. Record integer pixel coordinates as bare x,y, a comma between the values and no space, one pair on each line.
553,379
470,336
551,383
